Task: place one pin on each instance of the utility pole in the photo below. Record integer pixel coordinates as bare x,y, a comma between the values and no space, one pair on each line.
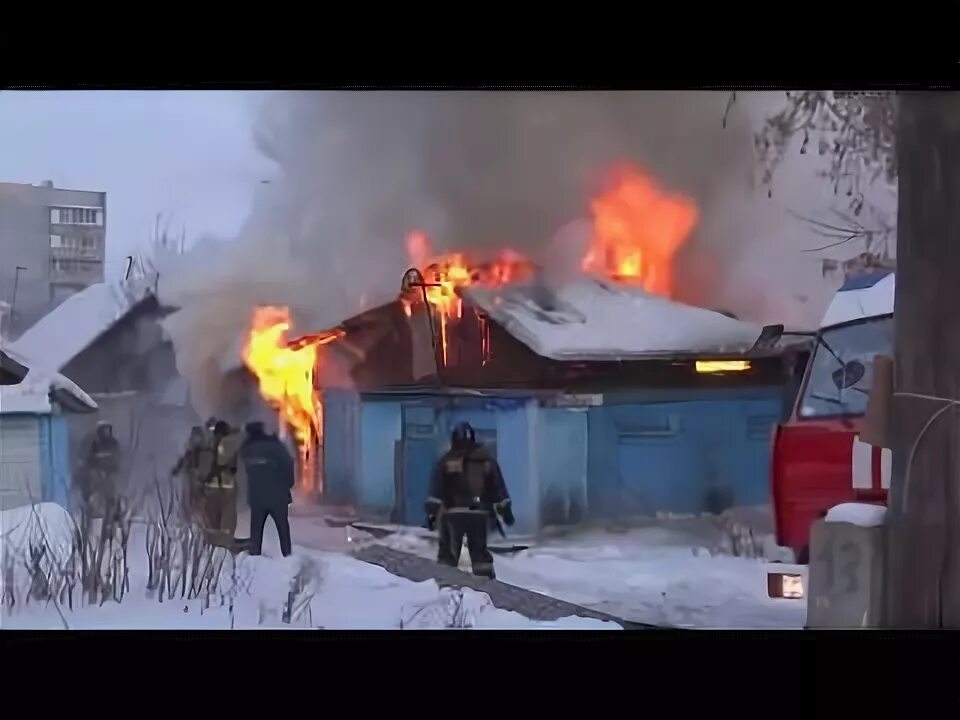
923,568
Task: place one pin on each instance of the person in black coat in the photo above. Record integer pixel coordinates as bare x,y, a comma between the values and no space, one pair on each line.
270,477
99,473
467,492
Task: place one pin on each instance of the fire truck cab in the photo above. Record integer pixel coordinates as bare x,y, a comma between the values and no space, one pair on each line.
818,459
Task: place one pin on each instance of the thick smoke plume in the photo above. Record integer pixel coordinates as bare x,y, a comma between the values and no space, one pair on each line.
357,171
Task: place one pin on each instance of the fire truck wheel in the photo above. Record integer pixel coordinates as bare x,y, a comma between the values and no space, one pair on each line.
803,555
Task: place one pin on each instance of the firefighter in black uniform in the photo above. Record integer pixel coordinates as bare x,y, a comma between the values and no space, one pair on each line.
220,488
188,466
269,477
467,492
99,473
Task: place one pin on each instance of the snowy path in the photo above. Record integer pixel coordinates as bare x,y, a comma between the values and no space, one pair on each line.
663,574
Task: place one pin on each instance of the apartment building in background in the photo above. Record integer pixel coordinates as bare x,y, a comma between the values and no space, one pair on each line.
52,244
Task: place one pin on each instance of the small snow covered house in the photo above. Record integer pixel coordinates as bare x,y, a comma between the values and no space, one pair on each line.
108,339
599,401
34,436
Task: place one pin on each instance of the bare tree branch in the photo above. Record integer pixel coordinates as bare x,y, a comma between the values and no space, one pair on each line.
876,239
831,245
855,130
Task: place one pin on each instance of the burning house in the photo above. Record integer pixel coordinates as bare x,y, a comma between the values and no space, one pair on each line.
598,400
599,395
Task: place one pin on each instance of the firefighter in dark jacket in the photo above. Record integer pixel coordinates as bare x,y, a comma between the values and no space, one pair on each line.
220,502
188,467
270,477
467,492
99,472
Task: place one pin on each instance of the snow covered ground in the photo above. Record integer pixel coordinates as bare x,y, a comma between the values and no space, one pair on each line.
340,593
353,595
661,573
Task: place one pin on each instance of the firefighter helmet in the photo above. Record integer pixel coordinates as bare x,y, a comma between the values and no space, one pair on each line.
463,435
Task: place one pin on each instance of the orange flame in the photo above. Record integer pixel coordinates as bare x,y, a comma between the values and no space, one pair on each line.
445,274
285,376
637,230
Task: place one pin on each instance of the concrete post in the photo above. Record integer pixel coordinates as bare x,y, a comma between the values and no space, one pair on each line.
845,578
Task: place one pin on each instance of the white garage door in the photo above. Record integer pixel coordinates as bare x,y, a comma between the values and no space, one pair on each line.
19,460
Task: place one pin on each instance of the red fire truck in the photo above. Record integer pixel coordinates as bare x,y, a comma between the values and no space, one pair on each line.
818,458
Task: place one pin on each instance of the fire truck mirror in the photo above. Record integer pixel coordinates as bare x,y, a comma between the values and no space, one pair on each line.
849,375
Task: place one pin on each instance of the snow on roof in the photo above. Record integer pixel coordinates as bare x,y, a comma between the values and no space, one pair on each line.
861,299
32,394
592,320
860,514
72,326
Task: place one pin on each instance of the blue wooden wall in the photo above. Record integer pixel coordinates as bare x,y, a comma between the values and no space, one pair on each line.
690,455
562,466
640,453
517,453
341,445
380,429
54,459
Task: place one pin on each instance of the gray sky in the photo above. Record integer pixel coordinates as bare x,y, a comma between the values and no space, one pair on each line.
187,155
